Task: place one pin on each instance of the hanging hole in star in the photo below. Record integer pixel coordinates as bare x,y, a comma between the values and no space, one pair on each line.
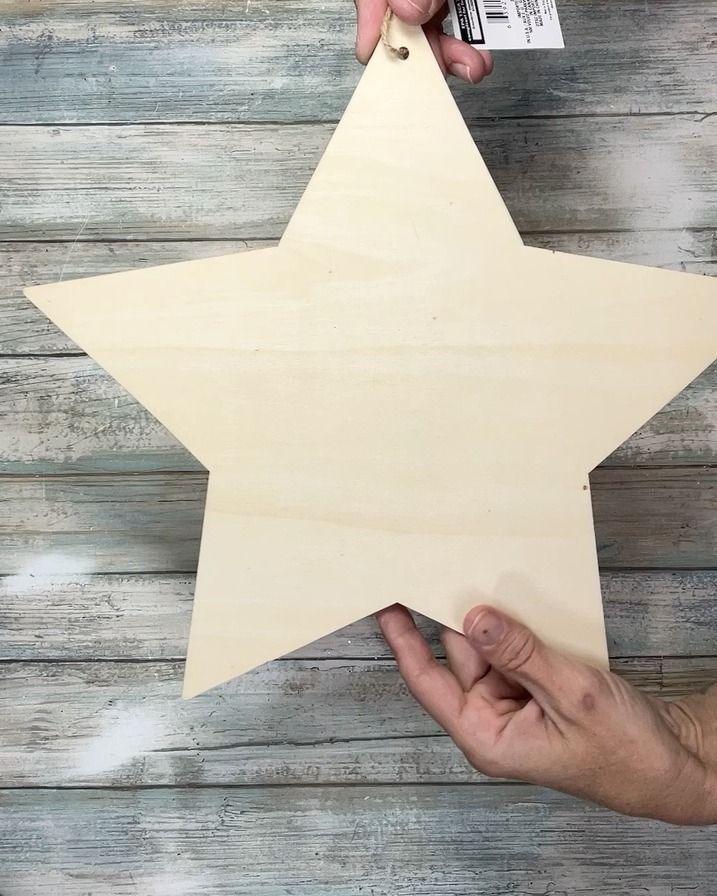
398,52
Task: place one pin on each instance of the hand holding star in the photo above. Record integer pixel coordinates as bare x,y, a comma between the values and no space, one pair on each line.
518,709
453,55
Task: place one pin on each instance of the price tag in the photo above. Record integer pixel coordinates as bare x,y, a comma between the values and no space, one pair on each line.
507,24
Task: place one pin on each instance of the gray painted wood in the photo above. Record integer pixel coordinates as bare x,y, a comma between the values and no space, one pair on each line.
61,415
65,414
26,331
134,182
106,60
101,523
290,722
644,518
131,617
655,518
423,841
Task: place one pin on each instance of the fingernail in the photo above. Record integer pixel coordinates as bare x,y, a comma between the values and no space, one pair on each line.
419,7
487,629
487,58
461,71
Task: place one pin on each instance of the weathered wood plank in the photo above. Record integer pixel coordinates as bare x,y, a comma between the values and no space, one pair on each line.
26,331
129,182
75,617
642,518
125,724
101,523
685,431
60,415
646,518
660,613
289,722
693,252
426,841
104,60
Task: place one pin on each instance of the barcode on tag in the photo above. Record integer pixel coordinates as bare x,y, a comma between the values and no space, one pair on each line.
495,11
507,24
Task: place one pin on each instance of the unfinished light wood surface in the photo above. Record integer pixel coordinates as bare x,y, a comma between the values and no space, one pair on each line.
358,392
26,331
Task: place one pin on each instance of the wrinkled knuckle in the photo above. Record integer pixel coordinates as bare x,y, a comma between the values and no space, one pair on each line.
687,727
518,649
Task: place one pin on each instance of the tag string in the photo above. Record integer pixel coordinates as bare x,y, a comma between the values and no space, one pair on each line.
398,52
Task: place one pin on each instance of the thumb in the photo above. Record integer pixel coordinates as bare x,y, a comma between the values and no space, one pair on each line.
515,651
416,12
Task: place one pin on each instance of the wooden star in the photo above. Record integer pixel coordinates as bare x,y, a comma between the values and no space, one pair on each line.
400,402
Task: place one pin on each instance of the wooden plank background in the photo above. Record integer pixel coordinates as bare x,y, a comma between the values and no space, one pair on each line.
140,133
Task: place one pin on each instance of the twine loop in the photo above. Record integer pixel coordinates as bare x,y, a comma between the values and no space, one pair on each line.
398,52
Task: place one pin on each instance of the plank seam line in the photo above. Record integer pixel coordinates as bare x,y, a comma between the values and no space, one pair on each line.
166,573
367,785
327,742
664,569
190,574
699,115
94,474
175,474
626,468
275,239
707,468
335,661
40,355
119,238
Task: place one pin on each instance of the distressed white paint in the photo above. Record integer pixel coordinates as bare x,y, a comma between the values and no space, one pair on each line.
30,576
124,735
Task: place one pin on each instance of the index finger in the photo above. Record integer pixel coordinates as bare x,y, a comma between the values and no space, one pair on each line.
369,16
432,684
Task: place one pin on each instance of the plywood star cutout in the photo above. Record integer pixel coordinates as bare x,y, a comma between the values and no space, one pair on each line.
401,402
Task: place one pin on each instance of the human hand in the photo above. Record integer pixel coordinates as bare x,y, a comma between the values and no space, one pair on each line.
518,709
454,56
